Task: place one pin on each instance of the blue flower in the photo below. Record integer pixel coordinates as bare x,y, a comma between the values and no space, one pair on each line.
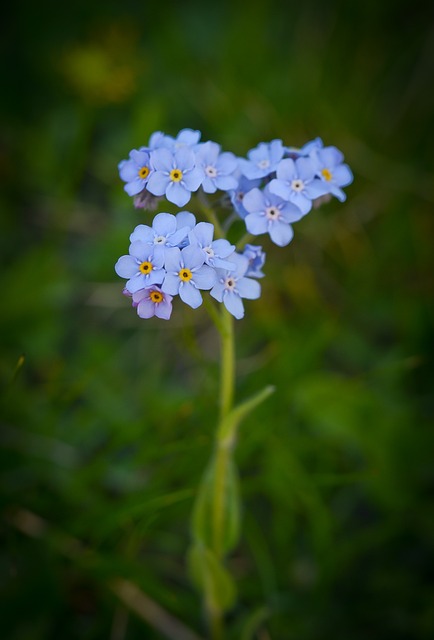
135,171
217,167
262,160
256,258
164,231
305,150
232,286
185,138
329,166
152,302
186,274
214,251
175,174
296,182
143,266
271,214
244,185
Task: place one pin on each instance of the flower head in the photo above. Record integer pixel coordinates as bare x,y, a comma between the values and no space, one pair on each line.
187,274
152,302
143,266
164,232
214,251
271,214
218,167
262,160
331,170
175,174
256,258
237,195
296,182
232,286
135,171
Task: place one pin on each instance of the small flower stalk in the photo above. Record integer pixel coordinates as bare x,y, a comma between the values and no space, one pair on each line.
180,258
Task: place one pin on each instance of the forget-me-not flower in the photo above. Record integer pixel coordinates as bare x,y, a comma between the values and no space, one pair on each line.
244,185
268,213
152,302
144,266
256,257
296,182
330,168
135,171
218,167
214,251
232,286
175,174
262,160
164,231
186,274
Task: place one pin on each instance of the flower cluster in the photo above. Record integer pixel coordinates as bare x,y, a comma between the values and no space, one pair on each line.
177,256
270,189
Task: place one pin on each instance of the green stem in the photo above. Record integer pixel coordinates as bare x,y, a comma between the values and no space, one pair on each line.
227,373
247,237
209,212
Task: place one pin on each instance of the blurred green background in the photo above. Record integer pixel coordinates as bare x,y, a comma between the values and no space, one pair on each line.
107,420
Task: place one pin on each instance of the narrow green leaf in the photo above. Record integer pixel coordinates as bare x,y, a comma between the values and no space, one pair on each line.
216,514
211,578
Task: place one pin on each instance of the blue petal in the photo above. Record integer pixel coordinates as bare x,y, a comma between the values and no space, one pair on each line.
135,187
162,160
217,291
142,233
205,277
256,224
248,288
193,179
285,171
171,284
281,233
190,295
192,257
128,171
164,224
177,194
173,260
280,188
146,308
222,248
185,219
234,304
203,232
253,201
126,267
157,183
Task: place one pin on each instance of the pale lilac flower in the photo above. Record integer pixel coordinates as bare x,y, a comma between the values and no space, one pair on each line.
152,302
186,274
232,286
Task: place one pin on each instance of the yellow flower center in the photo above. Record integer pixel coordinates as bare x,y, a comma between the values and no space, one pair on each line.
185,275
143,172
327,174
176,175
156,297
146,267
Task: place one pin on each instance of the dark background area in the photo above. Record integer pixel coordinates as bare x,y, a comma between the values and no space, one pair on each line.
108,420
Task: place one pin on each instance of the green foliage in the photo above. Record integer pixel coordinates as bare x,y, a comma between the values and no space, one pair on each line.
108,421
